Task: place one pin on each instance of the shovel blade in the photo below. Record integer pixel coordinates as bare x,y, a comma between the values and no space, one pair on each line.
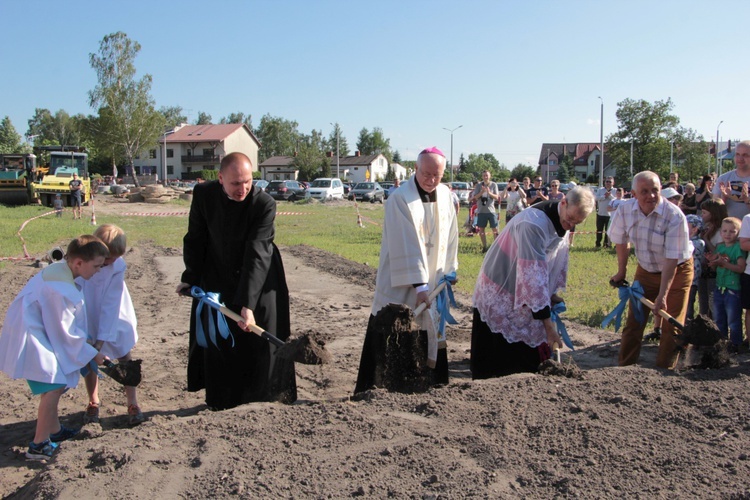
126,373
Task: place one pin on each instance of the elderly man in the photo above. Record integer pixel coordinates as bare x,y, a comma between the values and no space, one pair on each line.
229,250
419,247
603,197
658,230
512,330
732,186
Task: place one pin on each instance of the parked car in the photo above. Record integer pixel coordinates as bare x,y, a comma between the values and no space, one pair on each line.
463,191
386,185
286,190
261,184
367,191
326,189
347,188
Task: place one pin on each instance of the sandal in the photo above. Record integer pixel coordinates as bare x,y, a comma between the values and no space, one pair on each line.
91,415
135,415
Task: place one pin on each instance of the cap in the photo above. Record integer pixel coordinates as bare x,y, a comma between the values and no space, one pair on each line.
695,220
432,150
669,193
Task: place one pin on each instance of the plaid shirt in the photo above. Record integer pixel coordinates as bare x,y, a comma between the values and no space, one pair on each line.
660,235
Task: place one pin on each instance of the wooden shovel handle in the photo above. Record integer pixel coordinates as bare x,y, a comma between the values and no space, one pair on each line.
664,314
421,307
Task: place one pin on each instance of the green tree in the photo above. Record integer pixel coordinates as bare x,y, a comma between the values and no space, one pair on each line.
238,117
173,116
59,129
10,140
650,127
278,137
520,171
343,146
311,159
127,119
203,118
397,157
478,163
374,142
565,169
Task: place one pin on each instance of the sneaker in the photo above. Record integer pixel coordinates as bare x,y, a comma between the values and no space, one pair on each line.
654,336
41,451
135,415
63,434
91,415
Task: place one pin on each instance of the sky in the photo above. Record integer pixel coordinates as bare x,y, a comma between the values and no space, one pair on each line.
511,74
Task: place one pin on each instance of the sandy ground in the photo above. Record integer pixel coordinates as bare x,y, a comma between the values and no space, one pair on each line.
612,432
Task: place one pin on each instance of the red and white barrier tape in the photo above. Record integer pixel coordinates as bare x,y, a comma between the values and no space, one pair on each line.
26,255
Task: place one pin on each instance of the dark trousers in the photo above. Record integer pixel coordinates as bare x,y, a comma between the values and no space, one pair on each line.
601,229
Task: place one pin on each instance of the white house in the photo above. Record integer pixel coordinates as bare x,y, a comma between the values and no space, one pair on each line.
190,148
355,168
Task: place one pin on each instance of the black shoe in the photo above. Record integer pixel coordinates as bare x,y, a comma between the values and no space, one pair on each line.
654,336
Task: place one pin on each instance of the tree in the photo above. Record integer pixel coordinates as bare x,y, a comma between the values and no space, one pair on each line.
127,118
478,163
311,159
277,137
173,116
59,129
650,127
565,169
343,146
203,118
520,171
10,140
397,157
238,117
374,142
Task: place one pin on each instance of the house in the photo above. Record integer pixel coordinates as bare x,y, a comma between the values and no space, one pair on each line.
355,168
191,148
585,156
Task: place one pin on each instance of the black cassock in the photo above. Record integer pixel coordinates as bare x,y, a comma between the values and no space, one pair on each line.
229,250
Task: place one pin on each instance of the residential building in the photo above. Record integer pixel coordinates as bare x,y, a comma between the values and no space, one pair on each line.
585,157
354,168
191,148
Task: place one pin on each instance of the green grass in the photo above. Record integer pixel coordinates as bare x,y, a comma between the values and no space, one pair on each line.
331,227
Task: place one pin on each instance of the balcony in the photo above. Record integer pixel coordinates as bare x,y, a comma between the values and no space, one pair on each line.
204,159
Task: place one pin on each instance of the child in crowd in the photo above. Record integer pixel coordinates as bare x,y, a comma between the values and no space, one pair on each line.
713,211
729,261
695,226
43,338
112,325
58,205
616,201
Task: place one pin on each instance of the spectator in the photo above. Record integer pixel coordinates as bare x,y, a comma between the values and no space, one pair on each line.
514,198
695,226
485,194
712,212
704,192
537,193
603,196
554,191
732,186
689,205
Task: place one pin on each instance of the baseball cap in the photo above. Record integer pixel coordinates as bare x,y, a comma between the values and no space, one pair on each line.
669,192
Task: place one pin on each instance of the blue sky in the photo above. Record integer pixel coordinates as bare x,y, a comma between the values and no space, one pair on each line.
514,74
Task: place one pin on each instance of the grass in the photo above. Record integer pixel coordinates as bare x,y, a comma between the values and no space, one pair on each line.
332,227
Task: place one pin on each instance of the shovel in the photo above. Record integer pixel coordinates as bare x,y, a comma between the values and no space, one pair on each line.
302,349
126,373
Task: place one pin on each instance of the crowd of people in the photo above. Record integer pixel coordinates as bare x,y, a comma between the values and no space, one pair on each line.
77,313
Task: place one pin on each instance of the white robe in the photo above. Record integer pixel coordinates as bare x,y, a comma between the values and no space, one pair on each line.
404,256
110,316
43,337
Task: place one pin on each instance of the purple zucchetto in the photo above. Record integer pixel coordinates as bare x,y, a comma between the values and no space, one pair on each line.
432,150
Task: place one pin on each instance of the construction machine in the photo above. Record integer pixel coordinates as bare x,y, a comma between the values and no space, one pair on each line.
17,172
62,165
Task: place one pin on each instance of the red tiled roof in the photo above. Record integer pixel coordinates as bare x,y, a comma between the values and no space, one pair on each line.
206,133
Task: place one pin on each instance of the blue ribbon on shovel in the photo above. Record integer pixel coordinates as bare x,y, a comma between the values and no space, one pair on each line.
627,294
210,299
555,312
445,300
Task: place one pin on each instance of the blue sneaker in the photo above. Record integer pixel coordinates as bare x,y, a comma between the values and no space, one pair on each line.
63,434
41,451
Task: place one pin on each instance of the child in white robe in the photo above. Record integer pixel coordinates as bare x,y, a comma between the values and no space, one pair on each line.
43,338
112,325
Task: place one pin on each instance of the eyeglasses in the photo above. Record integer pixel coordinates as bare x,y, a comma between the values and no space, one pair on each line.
537,180
608,181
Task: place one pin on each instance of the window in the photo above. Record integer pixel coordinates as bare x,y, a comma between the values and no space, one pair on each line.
152,154
170,169
137,170
552,162
170,153
208,152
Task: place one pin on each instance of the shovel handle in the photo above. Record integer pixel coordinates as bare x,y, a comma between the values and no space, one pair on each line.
253,328
664,314
421,307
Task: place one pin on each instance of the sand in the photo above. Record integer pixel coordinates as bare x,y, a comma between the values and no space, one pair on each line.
588,430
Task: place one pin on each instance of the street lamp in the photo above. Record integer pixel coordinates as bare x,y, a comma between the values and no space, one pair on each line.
451,131
718,164
336,127
601,140
164,165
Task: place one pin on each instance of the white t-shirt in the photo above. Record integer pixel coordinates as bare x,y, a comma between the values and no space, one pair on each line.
737,209
745,233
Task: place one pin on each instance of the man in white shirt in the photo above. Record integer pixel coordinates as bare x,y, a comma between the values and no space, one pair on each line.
603,196
732,185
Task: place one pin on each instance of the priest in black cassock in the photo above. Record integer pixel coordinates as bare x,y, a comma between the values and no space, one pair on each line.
229,250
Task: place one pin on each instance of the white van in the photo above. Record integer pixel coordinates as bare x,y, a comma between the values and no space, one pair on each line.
326,189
